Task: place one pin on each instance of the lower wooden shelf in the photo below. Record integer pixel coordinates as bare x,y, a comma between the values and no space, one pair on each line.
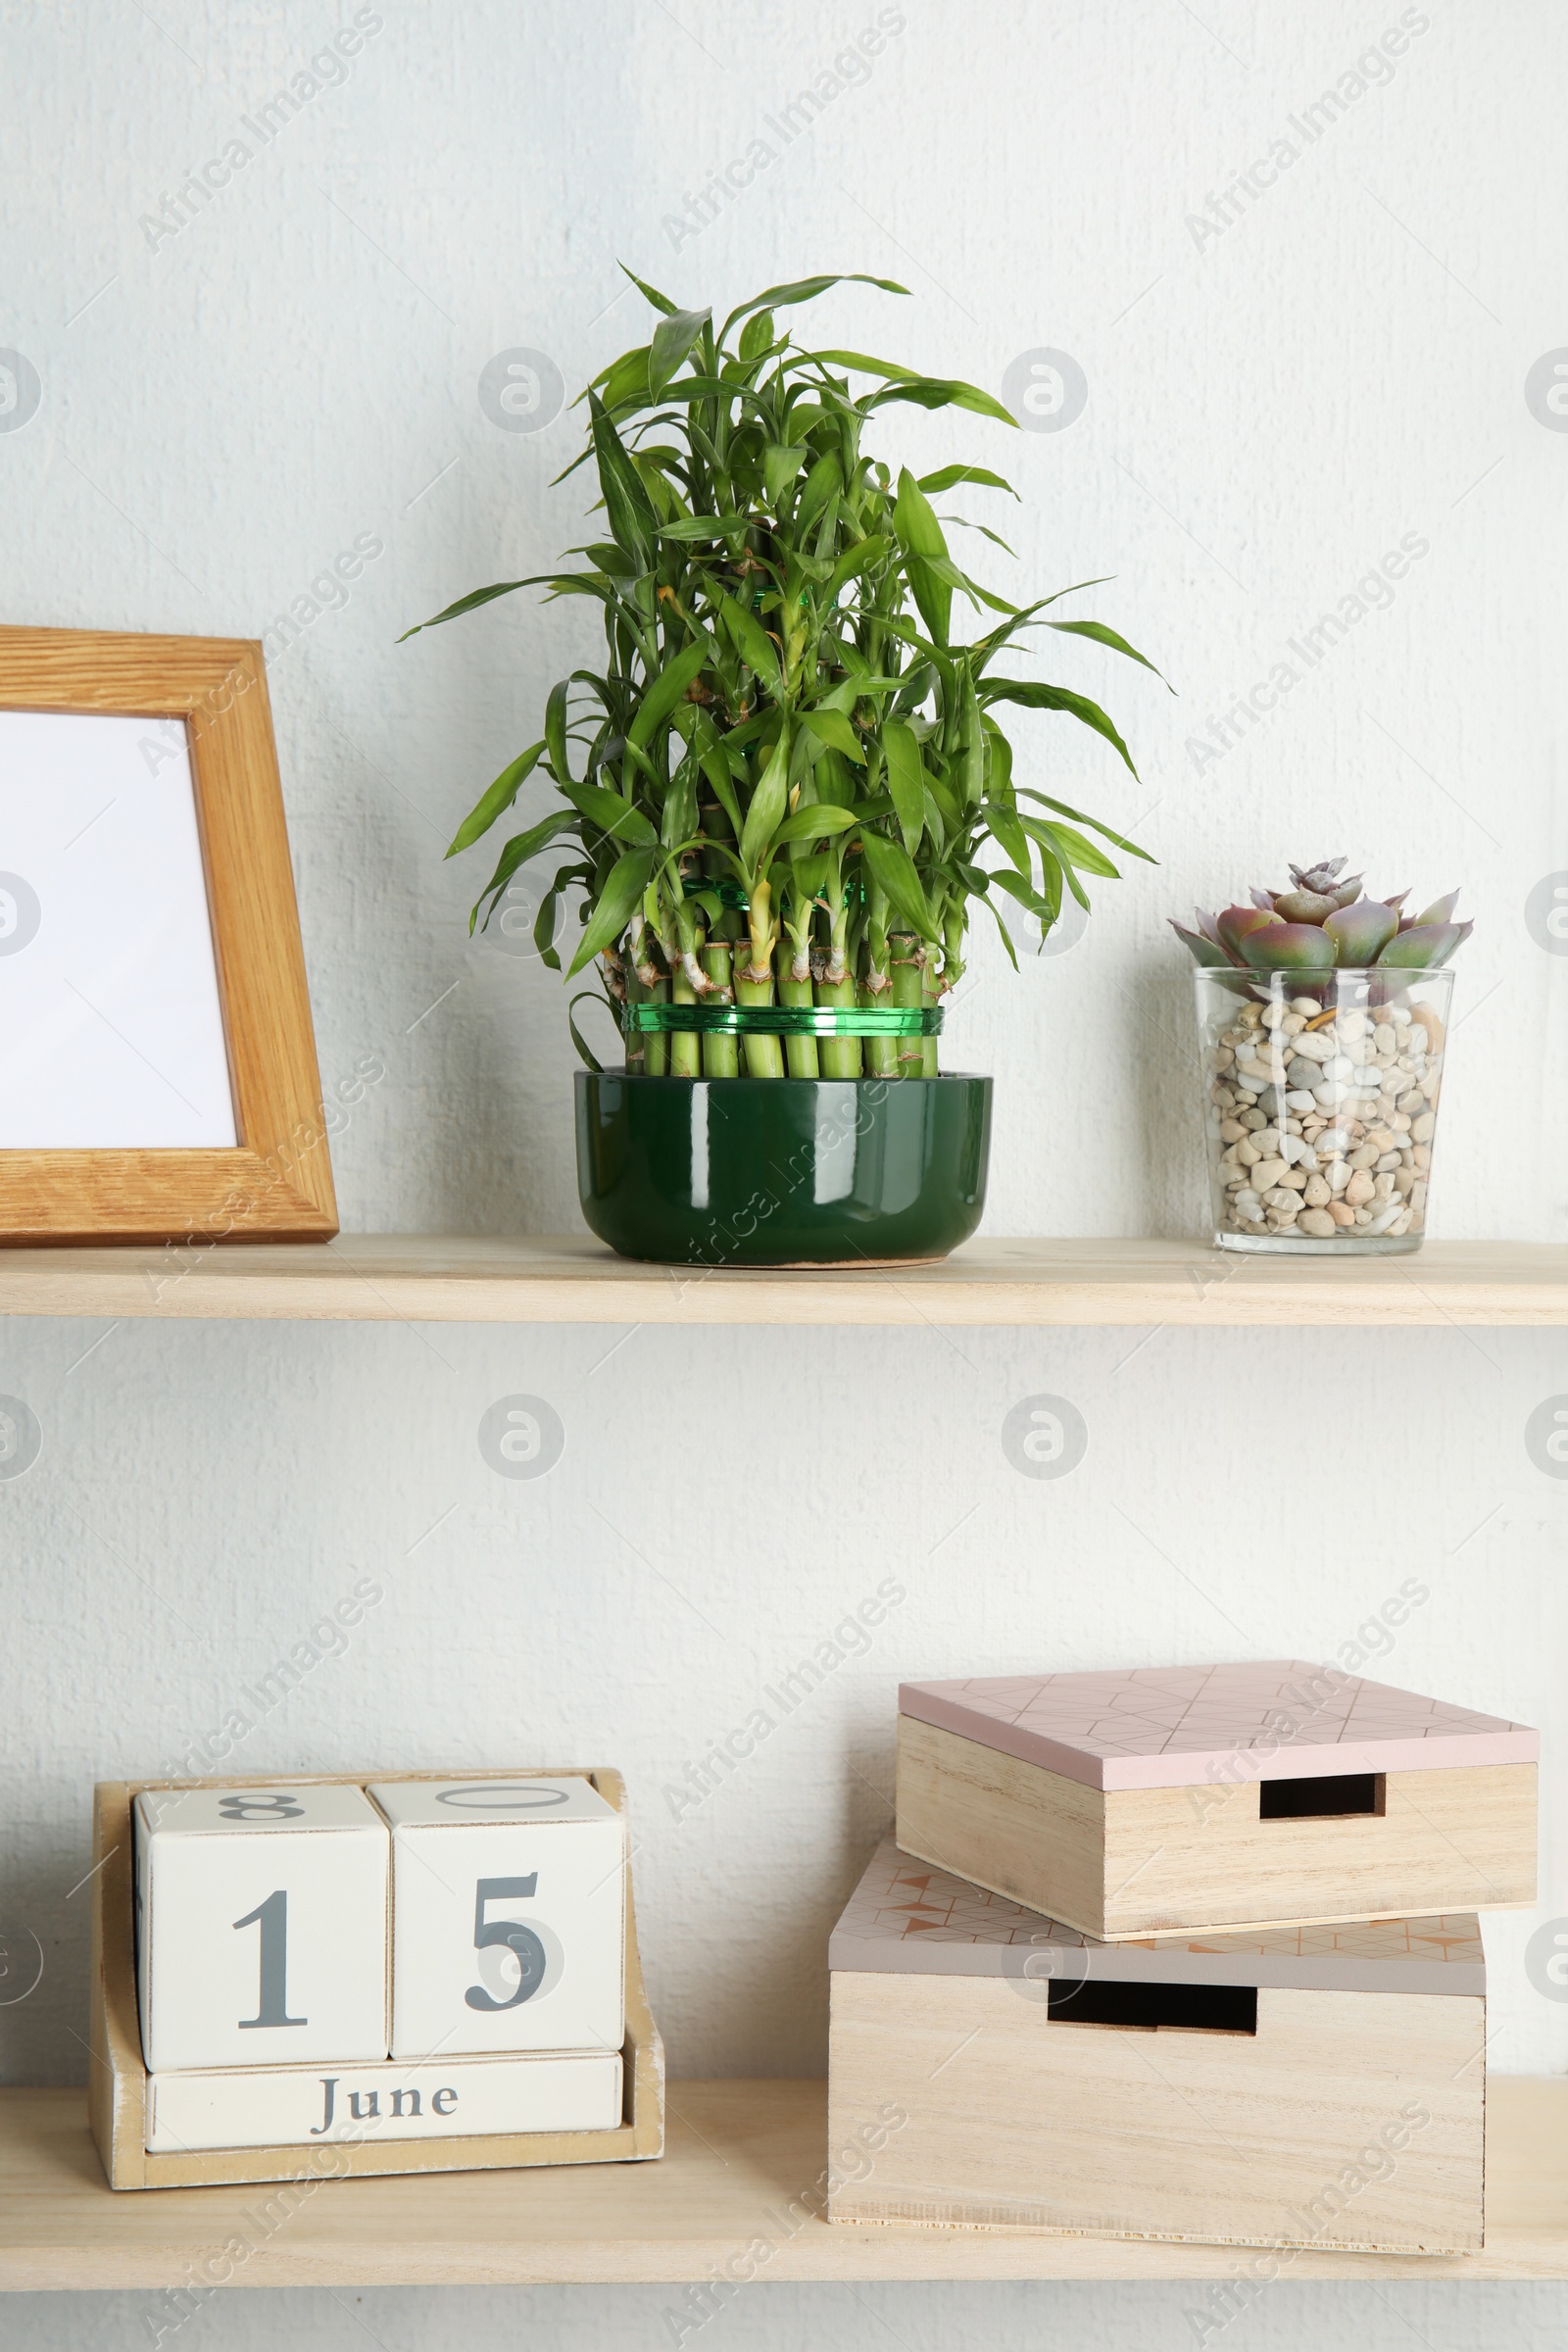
744,2171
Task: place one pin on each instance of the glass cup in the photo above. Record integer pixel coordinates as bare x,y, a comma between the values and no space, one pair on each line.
1320,1099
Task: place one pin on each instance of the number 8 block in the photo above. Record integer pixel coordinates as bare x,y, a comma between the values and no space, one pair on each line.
507,1916
261,1925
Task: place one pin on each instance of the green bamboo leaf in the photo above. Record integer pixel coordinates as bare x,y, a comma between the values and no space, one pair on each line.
930,392
995,913
893,871
679,820
832,729
1008,830
660,301
1065,864
1117,840
906,780
1050,873
757,337
695,527
662,692
623,820
494,802
592,996
627,879
805,289
1031,696
822,485
544,923
623,384
781,462
694,722
466,604
517,852
555,731
854,559
1027,896
673,338
1073,848
750,641
985,648
767,805
919,531
812,823
628,505
949,477
920,536
862,365
1097,630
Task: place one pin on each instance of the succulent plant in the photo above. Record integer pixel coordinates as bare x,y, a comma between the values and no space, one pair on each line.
1323,924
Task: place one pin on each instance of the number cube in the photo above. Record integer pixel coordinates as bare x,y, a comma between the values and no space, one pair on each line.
507,1916
261,1925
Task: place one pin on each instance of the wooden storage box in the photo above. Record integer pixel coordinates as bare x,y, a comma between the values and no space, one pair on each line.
120,2106
990,2069
1156,1800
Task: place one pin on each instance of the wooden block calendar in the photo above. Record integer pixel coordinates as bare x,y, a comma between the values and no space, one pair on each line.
222,2114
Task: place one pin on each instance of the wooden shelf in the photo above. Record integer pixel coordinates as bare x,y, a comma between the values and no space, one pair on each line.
741,2155
366,1278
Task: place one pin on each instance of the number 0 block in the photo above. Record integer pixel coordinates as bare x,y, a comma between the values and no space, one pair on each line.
508,1916
261,1925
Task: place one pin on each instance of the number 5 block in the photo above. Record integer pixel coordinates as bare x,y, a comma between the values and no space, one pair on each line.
508,1916
261,1925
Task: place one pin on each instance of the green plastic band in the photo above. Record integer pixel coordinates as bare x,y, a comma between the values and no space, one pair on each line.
787,1020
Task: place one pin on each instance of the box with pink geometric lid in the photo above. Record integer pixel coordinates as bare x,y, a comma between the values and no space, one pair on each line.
1156,1799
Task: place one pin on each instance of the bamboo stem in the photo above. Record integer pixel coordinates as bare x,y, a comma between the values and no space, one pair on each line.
881,1053
799,1051
835,985
685,1046
655,1058
930,995
753,982
636,1039
720,1054
907,968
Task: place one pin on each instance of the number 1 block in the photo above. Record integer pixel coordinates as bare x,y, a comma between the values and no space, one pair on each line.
261,1925
508,1916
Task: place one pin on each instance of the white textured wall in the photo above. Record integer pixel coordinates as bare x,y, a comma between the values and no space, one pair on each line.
1271,409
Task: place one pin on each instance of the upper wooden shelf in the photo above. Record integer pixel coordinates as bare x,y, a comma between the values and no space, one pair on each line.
571,1279
744,2164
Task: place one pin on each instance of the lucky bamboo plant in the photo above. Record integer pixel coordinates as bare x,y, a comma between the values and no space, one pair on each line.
784,786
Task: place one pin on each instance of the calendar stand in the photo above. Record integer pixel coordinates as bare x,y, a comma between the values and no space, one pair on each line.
117,2084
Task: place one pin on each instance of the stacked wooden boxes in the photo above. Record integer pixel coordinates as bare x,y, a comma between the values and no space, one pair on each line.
1184,1954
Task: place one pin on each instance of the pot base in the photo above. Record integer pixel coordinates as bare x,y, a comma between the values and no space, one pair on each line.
785,1172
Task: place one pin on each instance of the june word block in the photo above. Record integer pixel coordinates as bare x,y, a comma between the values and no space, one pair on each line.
508,1916
576,2090
261,1925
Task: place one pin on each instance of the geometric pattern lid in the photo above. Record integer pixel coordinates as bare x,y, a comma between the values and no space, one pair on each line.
1176,1727
908,1918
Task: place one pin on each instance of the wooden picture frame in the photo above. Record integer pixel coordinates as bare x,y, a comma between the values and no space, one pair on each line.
276,1182
117,2079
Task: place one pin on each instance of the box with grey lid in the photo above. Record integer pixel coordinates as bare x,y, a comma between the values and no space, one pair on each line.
996,2069
1146,1801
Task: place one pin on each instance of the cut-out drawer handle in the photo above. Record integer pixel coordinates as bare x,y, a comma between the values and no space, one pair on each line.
1336,1798
1152,2008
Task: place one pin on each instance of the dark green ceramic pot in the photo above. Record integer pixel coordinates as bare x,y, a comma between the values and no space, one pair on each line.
782,1171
